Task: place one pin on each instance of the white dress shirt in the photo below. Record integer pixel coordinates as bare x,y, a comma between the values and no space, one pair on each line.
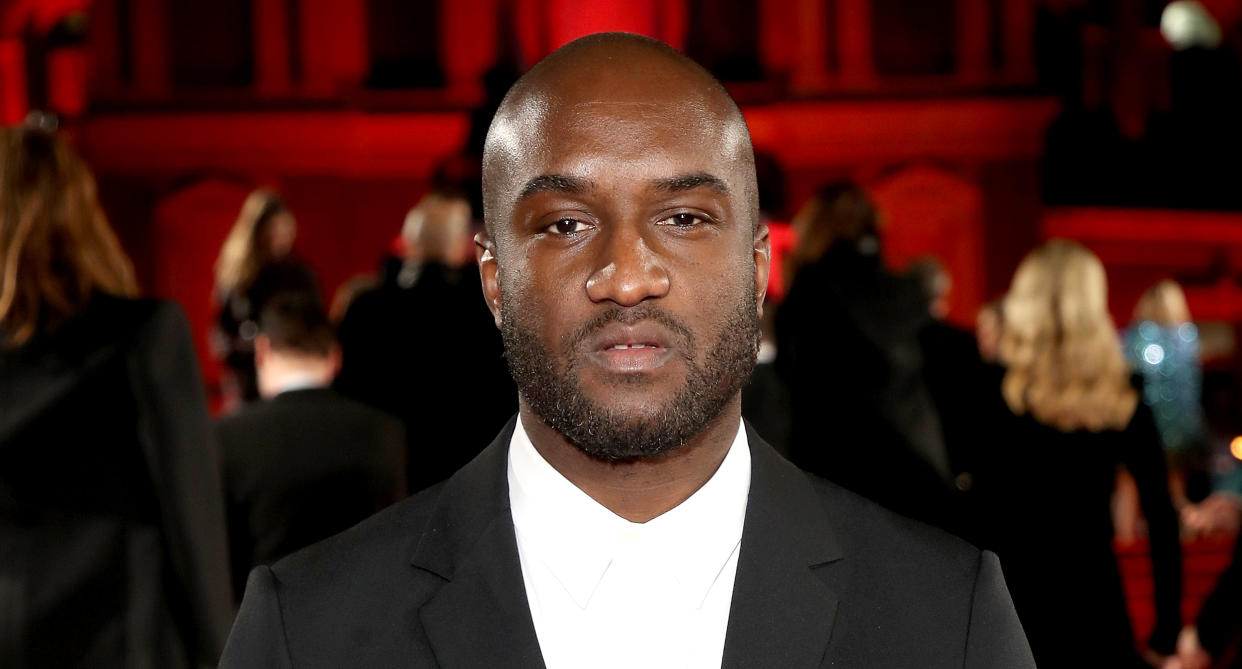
606,592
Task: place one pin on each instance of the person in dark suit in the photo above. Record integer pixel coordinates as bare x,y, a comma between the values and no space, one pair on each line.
305,463
848,349
421,345
112,540
627,517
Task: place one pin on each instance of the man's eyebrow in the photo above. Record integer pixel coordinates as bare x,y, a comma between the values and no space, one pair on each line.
553,183
686,182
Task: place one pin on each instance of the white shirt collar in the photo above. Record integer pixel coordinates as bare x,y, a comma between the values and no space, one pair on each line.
578,538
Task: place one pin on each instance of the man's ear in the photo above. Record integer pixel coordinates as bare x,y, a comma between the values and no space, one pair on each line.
763,263
489,272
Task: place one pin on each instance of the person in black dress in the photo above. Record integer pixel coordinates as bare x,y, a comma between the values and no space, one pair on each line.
1065,415
255,263
112,540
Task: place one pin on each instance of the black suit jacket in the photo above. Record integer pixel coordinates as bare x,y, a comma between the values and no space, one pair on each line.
112,540
430,355
824,579
302,467
848,349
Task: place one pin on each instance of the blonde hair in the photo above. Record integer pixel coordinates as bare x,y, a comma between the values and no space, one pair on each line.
437,226
56,247
1163,304
242,254
1062,354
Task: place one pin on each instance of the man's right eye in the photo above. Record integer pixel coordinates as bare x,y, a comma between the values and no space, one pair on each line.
568,226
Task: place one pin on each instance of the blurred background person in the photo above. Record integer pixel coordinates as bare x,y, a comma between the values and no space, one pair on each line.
1214,637
848,349
304,463
255,262
423,346
1067,415
1217,632
1162,345
112,539
765,399
988,325
957,381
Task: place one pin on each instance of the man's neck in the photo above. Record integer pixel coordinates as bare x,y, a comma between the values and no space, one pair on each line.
638,490
281,374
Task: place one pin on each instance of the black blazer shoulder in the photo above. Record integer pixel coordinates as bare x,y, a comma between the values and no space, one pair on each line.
105,423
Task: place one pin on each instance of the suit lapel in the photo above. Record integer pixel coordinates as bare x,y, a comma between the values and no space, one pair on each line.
480,617
782,613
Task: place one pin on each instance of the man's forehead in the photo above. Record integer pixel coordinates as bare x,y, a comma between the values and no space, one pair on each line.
586,136
599,116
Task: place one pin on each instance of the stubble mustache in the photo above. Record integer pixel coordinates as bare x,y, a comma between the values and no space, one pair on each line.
572,343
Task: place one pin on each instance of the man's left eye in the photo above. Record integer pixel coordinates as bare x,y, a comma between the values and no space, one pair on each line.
682,220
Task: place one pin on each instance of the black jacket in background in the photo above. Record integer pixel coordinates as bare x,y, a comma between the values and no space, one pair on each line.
431,355
861,414
112,540
301,467
824,579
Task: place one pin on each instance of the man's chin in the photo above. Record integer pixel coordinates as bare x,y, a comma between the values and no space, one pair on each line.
624,448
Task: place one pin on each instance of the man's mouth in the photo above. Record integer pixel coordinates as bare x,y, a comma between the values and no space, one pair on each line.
631,348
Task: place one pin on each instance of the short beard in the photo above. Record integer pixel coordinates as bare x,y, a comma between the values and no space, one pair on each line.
606,434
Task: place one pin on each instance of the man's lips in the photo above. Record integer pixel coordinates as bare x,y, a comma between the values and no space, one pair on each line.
630,348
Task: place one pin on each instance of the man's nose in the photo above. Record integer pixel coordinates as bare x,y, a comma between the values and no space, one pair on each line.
628,271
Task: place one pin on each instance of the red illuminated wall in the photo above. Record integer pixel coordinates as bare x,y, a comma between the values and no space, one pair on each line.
1202,250
955,168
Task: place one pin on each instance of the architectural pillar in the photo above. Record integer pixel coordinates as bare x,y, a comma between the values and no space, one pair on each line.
1018,19
334,46
152,77
809,71
568,20
271,49
13,99
854,43
469,33
974,40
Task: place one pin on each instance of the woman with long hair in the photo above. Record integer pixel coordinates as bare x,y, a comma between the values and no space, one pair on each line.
112,544
1068,416
255,264
1162,343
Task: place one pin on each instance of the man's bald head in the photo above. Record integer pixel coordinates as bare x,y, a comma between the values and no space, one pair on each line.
617,70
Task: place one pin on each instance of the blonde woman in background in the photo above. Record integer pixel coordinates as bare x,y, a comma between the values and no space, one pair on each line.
1067,417
256,263
1162,345
112,543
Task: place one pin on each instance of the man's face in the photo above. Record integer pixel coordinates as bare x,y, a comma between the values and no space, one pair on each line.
628,270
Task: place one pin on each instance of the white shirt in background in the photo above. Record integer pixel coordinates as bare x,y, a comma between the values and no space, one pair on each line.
605,592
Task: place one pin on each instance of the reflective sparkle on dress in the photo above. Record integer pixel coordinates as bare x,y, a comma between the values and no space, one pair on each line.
1153,354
